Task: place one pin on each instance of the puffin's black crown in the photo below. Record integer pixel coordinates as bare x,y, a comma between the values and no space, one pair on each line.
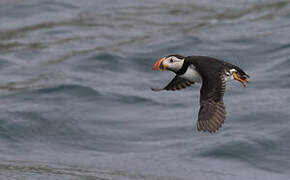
176,55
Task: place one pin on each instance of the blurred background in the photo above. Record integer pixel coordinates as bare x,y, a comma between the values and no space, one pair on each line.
75,90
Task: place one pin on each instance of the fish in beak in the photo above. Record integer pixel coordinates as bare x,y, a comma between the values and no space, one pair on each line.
241,79
159,66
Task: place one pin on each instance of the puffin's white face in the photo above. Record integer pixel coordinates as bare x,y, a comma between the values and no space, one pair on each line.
172,63
229,74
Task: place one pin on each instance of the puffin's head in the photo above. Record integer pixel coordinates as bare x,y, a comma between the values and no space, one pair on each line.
171,62
238,74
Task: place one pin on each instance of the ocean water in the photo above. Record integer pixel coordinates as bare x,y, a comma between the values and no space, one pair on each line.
76,103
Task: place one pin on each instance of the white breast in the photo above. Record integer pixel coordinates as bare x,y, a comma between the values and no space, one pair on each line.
191,74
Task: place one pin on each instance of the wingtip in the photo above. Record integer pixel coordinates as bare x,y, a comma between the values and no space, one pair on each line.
205,127
156,89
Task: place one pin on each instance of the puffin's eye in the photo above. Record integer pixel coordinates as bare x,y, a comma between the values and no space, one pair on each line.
171,60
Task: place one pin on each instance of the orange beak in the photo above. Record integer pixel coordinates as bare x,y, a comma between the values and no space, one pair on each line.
159,66
240,79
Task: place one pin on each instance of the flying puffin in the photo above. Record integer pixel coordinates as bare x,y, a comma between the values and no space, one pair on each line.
212,74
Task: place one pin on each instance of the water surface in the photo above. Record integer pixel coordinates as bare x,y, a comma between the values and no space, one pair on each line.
76,100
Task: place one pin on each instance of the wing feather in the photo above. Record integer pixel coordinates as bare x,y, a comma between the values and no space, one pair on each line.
212,111
177,83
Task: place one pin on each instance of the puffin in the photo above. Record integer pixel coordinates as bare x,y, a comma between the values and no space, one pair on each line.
213,74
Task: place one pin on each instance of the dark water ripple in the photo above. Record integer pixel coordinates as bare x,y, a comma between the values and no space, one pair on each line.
76,100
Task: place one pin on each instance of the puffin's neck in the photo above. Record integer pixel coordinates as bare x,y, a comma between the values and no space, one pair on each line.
183,69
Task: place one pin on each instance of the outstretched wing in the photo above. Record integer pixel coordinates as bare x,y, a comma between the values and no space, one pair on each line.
176,83
212,112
